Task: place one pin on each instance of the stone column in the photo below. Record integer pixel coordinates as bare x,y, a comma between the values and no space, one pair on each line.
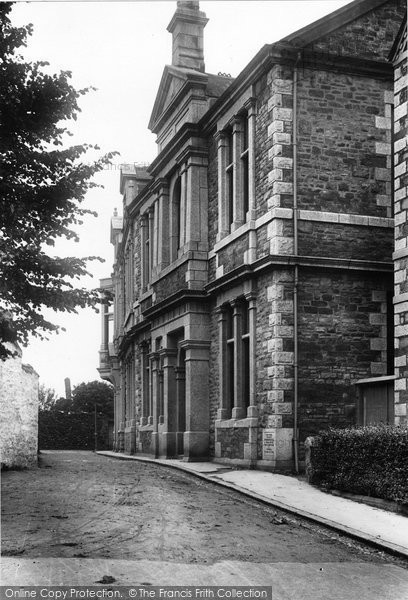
251,298
144,384
105,324
224,412
163,228
168,438
251,107
222,144
196,436
238,411
155,240
238,212
154,361
183,203
132,415
180,374
151,242
144,263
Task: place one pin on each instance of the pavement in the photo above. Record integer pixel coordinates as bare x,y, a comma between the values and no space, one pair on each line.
289,581
384,529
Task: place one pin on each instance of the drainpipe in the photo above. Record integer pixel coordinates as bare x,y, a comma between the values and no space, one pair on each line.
296,274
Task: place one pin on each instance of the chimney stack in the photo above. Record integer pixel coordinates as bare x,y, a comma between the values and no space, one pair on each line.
187,28
68,394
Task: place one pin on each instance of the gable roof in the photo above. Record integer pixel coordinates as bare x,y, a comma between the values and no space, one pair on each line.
395,50
331,22
213,86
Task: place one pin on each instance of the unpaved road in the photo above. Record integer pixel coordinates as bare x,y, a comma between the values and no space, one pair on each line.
78,504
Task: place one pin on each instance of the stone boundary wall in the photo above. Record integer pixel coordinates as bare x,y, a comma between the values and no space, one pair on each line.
19,414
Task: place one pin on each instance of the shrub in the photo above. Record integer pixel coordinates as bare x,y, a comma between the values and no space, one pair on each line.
58,430
372,461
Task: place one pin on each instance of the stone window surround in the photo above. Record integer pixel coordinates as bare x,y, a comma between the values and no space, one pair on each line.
230,416
232,173
155,218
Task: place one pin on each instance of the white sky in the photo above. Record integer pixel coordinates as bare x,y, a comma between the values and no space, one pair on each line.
121,49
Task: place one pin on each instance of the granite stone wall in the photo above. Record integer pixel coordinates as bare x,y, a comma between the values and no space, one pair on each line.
342,328
368,37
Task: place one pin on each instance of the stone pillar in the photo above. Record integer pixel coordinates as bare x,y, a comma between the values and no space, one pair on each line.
196,436
145,384
222,147
155,239
277,437
180,374
183,207
144,250
105,324
122,411
168,438
237,145
163,229
250,254
238,411
251,298
154,362
151,242
251,107
224,412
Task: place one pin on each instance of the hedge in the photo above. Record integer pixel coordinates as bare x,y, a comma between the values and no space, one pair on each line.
372,461
71,431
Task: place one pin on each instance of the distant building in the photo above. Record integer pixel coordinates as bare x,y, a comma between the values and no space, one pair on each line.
253,273
19,413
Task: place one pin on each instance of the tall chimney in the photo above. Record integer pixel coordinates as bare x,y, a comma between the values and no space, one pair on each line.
187,27
68,395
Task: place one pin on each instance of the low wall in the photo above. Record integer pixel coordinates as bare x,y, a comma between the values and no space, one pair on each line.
19,414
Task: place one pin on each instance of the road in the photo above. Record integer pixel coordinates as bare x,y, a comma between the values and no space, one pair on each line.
80,515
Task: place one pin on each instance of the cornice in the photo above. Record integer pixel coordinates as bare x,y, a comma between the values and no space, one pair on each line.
251,271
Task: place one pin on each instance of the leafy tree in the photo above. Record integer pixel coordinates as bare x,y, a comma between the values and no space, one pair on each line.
86,395
43,184
47,397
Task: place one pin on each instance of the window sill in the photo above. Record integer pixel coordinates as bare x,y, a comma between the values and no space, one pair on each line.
235,423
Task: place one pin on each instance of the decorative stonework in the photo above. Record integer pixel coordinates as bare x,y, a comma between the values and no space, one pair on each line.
401,219
383,152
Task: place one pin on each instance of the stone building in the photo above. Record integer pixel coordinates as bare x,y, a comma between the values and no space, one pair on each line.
19,413
253,273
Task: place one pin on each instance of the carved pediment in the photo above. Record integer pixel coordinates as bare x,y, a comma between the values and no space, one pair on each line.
171,84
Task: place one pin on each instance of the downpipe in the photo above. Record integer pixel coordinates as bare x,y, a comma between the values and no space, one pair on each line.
296,275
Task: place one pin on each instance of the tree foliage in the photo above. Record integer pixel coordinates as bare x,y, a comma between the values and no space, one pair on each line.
43,184
86,395
46,397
